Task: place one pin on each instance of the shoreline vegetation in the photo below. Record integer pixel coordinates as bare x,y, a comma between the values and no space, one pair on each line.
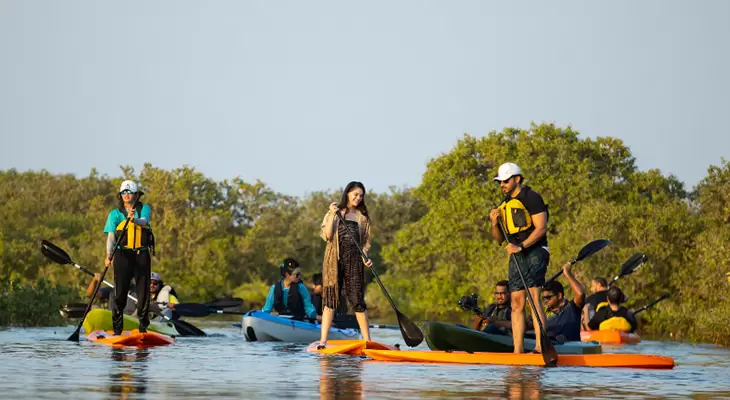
430,243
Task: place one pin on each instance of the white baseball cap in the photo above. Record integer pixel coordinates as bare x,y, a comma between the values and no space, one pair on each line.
506,171
155,277
128,185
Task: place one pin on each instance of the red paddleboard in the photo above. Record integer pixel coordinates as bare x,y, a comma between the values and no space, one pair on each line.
131,338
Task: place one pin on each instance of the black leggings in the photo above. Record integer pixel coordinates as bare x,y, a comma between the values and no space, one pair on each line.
130,264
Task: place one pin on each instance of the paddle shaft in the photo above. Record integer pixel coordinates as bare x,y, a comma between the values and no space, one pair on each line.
650,304
111,285
75,336
543,333
366,258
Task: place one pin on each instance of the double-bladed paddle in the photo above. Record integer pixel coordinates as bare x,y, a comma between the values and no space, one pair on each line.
587,251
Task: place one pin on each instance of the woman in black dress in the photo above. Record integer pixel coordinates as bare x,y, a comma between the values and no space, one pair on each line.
343,268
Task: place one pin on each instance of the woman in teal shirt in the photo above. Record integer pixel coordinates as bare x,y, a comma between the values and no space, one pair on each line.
132,258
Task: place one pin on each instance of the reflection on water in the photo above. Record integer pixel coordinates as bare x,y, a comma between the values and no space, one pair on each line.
40,363
523,383
128,371
340,377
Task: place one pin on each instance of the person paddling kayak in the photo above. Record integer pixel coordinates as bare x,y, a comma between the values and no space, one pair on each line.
564,323
615,316
132,259
597,299
289,296
524,215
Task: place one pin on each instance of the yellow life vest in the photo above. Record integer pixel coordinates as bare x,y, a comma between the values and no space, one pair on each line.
615,323
515,216
137,237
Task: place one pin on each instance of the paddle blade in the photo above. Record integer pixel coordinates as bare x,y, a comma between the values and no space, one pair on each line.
75,336
55,253
592,248
75,310
412,334
549,354
632,264
226,303
192,309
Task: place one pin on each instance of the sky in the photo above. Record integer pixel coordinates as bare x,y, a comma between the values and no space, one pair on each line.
309,95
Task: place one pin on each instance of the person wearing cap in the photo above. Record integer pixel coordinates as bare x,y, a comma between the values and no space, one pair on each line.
132,259
615,316
162,293
524,215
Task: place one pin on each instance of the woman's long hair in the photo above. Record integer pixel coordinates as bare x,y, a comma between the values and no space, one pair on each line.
120,202
360,207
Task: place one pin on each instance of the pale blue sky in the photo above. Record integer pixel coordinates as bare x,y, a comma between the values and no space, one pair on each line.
310,95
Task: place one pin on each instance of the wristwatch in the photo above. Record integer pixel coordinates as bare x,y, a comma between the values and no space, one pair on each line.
521,246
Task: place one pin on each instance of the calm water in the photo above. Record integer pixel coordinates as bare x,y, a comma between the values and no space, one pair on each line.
40,363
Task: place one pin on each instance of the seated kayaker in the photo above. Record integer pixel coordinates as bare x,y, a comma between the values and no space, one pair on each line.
102,296
105,294
317,292
596,300
162,297
615,316
563,322
282,301
497,317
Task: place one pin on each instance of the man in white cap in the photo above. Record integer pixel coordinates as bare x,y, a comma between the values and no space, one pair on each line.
524,215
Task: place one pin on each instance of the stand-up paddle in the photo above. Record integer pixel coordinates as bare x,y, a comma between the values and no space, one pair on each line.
412,334
549,354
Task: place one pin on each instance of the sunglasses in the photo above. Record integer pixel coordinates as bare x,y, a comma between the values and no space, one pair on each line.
127,191
548,296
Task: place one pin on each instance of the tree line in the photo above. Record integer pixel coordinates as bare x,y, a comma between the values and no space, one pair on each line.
431,243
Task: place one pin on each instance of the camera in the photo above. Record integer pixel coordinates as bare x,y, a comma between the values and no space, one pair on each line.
470,303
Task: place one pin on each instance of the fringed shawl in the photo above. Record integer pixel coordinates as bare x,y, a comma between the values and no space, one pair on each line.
330,279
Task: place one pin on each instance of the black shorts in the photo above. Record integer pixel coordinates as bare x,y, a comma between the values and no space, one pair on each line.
534,263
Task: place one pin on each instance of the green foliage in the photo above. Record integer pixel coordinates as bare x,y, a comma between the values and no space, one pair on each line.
431,244
33,304
594,191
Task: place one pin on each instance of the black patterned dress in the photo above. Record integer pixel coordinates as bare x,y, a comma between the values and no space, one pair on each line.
351,270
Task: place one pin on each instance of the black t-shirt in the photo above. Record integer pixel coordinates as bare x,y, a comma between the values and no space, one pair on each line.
606,313
535,205
597,298
499,314
566,322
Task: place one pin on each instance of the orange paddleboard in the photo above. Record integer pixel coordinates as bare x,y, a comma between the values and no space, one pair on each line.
610,337
564,360
349,347
131,338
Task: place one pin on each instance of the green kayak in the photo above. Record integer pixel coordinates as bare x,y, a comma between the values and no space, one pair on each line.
446,337
101,319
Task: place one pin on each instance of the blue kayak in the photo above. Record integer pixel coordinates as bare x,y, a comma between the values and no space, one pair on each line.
260,326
